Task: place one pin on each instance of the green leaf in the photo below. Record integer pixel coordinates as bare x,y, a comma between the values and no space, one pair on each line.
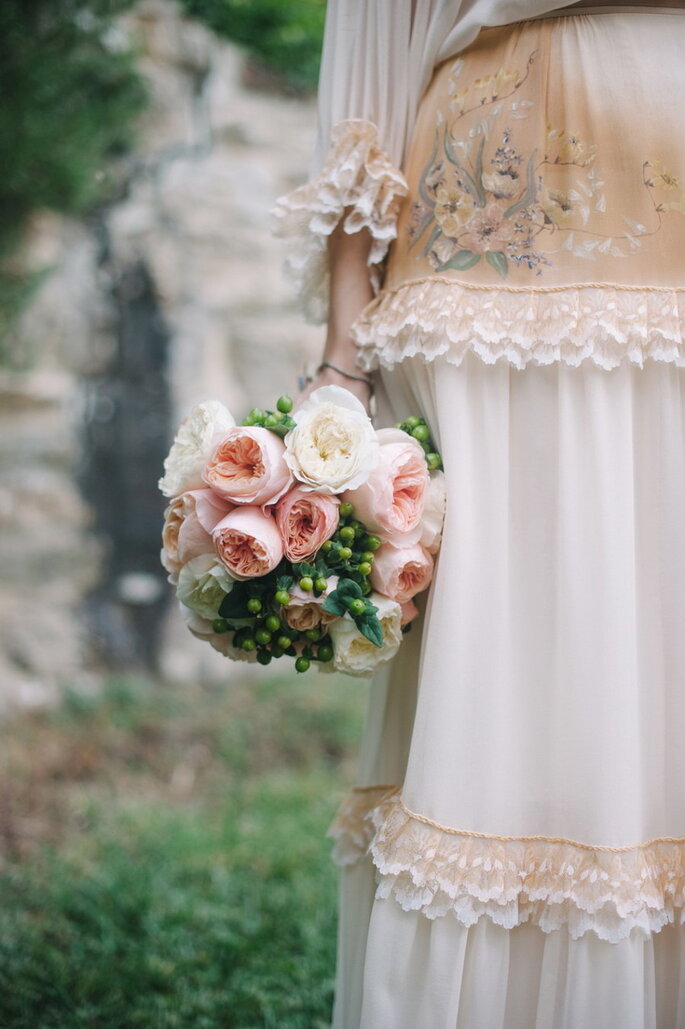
348,589
434,236
304,568
234,603
497,260
334,604
283,582
371,628
462,260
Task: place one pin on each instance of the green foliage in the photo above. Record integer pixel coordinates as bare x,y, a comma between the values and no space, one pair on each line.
213,908
69,97
285,37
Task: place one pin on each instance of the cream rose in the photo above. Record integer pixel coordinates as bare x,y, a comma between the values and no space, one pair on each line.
248,542
305,520
333,446
188,523
192,446
401,572
392,499
222,642
305,611
434,513
353,653
246,466
203,583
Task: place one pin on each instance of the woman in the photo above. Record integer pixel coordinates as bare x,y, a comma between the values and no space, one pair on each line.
514,853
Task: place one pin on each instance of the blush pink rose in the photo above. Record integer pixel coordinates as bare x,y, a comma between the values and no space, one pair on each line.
188,523
401,572
248,542
409,612
246,466
305,520
305,611
391,501
434,513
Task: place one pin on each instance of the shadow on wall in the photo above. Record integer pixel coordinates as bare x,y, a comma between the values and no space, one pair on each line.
127,423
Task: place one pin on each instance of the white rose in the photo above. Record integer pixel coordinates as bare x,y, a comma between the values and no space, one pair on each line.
192,447
334,445
203,629
434,513
353,653
203,582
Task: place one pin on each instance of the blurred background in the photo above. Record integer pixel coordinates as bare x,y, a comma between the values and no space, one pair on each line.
162,811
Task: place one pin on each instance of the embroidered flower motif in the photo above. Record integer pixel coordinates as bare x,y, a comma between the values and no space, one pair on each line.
480,197
501,183
452,209
660,177
489,229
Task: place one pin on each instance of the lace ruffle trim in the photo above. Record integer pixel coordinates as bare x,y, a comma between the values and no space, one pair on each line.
552,883
606,324
358,175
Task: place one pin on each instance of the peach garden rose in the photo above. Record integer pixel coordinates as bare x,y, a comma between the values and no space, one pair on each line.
305,520
188,523
246,466
401,572
391,501
248,542
192,446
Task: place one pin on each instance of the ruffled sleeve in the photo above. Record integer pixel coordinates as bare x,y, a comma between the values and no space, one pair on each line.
359,177
378,57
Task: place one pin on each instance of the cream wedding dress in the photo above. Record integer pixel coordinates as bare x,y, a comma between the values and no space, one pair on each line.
513,856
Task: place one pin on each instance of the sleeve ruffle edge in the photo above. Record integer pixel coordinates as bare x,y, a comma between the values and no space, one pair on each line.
357,175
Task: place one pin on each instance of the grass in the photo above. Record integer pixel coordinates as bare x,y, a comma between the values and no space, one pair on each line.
164,861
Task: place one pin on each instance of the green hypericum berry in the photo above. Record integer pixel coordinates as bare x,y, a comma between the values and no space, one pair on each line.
282,597
372,542
270,421
421,433
302,664
254,605
345,509
345,553
347,533
249,644
272,623
219,625
320,584
283,641
327,546
368,557
412,421
262,635
356,606
358,527
433,460
312,635
325,652
426,447
365,567
284,404
264,657
277,651
256,414
306,583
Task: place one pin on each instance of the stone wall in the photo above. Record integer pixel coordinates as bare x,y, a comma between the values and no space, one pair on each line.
183,265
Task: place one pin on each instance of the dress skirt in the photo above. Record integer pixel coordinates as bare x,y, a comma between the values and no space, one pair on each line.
513,855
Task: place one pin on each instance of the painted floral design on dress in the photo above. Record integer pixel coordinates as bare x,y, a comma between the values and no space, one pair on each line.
481,198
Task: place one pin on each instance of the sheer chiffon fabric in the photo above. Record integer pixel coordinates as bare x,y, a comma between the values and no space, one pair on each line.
514,853
548,668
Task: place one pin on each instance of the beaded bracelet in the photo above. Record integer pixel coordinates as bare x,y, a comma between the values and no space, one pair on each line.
349,375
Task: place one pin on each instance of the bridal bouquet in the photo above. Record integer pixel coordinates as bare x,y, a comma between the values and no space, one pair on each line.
304,533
